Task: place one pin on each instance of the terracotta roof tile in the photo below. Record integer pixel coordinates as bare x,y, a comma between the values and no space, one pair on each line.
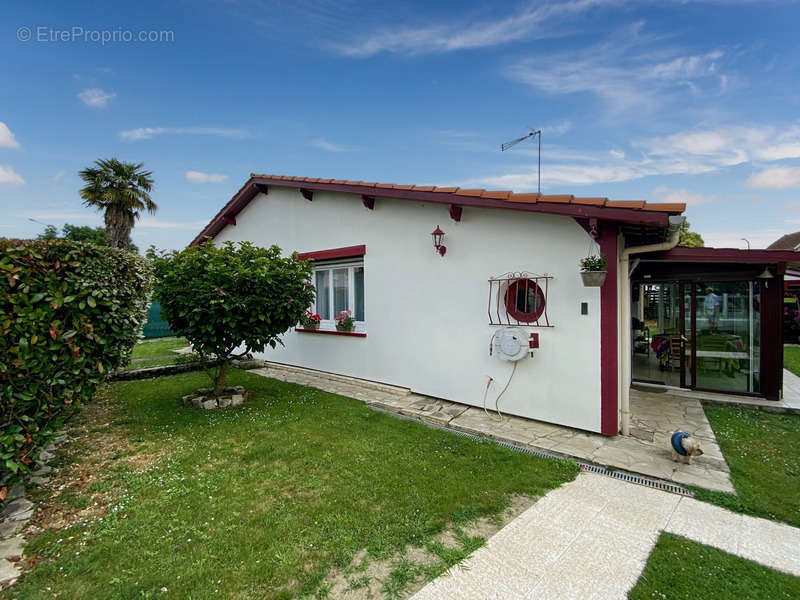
590,201
499,195
524,198
558,199
625,204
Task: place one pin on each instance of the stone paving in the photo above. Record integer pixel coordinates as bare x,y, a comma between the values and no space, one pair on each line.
647,451
17,512
591,538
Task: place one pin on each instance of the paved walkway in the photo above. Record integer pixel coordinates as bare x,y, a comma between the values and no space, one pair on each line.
790,401
592,537
654,417
791,389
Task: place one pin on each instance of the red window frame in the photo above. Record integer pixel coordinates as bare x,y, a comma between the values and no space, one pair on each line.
333,253
512,295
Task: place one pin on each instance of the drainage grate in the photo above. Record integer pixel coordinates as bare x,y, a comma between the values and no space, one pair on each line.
638,479
658,484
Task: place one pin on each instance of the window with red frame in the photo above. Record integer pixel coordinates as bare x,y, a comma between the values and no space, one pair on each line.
524,300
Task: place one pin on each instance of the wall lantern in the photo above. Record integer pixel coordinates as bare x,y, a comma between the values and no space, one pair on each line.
438,235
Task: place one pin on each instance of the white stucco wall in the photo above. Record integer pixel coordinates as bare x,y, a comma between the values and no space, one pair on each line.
426,315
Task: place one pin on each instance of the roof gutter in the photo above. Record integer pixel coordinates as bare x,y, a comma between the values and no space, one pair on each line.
625,333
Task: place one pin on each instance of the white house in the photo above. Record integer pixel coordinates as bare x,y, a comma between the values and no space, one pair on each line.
432,320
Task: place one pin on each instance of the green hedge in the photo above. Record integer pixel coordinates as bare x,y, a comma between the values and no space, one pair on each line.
69,315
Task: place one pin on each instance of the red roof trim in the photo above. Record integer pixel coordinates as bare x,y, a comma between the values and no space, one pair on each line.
347,252
638,213
725,255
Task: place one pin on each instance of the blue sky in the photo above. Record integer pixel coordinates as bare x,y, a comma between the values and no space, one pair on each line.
661,101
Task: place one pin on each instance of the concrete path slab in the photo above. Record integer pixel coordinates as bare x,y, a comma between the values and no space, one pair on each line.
791,389
592,537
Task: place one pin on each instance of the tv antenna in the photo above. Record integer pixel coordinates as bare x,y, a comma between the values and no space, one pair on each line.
512,143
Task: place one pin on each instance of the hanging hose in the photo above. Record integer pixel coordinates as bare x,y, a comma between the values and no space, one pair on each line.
500,395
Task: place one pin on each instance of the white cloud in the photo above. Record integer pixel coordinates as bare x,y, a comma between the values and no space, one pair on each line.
557,129
200,177
64,216
665,194
533,21
10,176
7,139
775,178
59,176
153,223
730,145
622,72
324,144
759,238
146,133
690,152
96,97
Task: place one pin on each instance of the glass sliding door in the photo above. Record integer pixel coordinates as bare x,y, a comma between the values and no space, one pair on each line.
658,344
726,345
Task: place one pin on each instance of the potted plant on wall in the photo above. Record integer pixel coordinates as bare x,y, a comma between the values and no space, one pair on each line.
309,320
593,271
345,321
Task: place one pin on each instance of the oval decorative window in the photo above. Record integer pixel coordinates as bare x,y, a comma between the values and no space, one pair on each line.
524,300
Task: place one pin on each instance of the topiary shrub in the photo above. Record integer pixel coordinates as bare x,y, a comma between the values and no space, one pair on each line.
70,314
231,300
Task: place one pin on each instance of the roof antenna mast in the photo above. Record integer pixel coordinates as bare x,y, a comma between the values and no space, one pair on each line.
512,143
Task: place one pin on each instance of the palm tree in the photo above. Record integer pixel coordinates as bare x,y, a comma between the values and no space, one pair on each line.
122,190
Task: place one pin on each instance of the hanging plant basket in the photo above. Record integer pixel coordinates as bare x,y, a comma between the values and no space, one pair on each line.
593,270
593,278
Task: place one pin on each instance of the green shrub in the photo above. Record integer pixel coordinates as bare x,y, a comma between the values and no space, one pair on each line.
231,300
70,313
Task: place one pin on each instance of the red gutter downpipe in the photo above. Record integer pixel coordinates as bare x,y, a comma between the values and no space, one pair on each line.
674,230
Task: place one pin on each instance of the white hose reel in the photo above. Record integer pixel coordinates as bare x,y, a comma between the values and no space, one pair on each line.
510,344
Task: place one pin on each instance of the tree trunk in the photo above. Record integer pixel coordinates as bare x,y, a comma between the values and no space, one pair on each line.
118,229
219,384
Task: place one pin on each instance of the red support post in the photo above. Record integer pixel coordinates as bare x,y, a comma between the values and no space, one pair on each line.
609,331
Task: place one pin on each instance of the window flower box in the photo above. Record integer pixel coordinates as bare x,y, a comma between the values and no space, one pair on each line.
310,320
345,321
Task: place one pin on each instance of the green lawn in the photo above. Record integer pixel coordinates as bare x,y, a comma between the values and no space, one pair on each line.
160,347
791,359
680,568
160,362
155,362
264,500
763,452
